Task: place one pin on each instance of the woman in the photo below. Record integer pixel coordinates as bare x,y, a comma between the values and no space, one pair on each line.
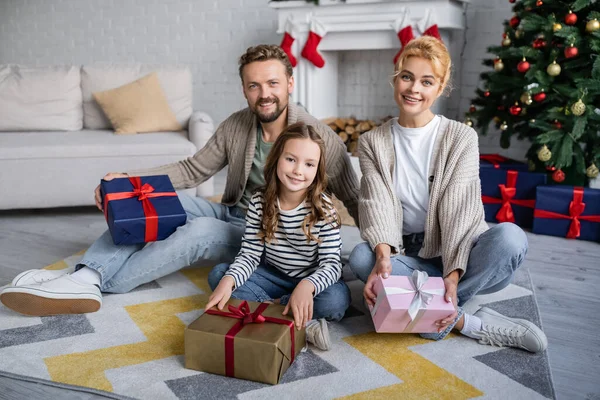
420,206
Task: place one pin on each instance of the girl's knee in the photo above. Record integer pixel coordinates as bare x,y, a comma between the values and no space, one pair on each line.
361,261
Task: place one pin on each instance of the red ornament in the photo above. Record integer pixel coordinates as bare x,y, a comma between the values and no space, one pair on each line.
539,97
557,124
486,93
511,1
558,176
539,43
472,109
571,18
539,3
571,51
523,66
550,168
515,110
514,22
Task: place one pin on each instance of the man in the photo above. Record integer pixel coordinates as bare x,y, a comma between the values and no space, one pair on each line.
213,232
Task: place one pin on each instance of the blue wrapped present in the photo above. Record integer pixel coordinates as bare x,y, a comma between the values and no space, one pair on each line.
509,196
500,162
141,209
568,211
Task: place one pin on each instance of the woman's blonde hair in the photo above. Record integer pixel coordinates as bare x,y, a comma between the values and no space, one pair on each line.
319,209
435,52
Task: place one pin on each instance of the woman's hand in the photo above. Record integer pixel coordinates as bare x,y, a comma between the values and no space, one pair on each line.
222,293
108,177
451,284
301,303
383,268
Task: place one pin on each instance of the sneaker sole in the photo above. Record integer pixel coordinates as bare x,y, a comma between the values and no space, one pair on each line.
29,304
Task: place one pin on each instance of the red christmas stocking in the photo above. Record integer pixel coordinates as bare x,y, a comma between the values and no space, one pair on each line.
317,31
404,31
288,39
428,26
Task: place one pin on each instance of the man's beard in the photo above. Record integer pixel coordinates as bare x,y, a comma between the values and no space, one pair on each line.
266,118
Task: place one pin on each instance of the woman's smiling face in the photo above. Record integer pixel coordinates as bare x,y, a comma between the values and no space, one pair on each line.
416,86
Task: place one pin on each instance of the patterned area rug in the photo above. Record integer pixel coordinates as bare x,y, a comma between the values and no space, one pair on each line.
133,347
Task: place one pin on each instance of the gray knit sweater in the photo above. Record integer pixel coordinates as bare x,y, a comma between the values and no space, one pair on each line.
455,217
234,142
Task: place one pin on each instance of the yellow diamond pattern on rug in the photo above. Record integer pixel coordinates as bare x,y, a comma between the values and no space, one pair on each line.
421,378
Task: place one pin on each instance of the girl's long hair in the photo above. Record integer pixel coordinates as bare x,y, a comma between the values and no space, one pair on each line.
319,208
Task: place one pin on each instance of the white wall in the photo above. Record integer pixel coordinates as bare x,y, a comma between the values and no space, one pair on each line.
209,36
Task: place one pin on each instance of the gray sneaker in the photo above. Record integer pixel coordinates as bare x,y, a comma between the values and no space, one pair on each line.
500,330
317,333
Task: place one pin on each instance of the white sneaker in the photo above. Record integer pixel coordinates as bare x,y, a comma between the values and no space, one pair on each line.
500,330
63,295
34,276
317,333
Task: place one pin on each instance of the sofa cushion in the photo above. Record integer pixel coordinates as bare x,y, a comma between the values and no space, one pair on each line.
138,107
175,81
92,144
44,98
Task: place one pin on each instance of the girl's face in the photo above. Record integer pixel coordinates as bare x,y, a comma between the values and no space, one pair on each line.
297,165
416,87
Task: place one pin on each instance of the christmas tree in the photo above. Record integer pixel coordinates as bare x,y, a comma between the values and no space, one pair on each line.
545,86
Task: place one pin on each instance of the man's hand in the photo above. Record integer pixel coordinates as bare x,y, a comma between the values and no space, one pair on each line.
108,177
451,284
301,303
382,268
222,293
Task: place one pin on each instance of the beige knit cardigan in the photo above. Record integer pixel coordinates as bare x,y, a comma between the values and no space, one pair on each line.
455,217
233,144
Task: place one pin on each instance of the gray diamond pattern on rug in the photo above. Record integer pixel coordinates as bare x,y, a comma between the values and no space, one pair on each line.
51,328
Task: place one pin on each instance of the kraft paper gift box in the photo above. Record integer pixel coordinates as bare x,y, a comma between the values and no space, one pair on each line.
500,162
141,209
568,211
410,303
509,196
247,340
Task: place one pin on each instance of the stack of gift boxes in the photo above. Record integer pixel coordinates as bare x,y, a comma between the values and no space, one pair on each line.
512,194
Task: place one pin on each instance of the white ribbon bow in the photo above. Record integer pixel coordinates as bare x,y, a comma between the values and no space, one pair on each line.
422,297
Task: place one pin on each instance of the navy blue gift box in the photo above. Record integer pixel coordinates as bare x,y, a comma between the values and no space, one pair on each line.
141,209
509,196
568,211
500,162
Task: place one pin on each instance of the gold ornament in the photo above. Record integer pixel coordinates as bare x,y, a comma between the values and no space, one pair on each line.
553,69
498,65
468,122
504,126
592,25
578,108
506,42
531,165
544,154
518,33
592,171
532,121
556,27
497,120
526,98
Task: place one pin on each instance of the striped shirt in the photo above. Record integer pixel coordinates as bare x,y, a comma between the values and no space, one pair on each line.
290,252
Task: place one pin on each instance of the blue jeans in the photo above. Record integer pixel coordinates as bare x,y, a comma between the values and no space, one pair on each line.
213,233
267,283
494,258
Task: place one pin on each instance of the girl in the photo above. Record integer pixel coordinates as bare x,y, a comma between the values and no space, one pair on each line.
420,205
291,247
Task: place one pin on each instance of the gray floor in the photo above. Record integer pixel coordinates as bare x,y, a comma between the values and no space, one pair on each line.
565,274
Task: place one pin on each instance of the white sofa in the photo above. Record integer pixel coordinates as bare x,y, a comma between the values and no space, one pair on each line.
56,143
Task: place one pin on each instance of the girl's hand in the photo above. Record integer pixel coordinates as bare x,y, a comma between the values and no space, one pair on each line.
451,284
222,293
301,303
383,268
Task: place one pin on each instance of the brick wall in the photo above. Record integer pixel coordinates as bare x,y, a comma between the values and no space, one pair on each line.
209,36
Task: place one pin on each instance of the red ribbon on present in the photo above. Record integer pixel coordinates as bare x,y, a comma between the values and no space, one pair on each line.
494,159
242,312
508,191
143,193
576,208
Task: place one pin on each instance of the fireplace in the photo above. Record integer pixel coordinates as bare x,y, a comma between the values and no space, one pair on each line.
359,25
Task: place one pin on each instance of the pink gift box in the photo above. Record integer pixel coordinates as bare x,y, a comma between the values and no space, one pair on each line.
396,294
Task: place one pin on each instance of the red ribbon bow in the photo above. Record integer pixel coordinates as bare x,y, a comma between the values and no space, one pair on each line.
508,191
242,312
494,159
143,193
576,208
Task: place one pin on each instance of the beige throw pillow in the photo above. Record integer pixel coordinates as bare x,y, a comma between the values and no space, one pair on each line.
139,106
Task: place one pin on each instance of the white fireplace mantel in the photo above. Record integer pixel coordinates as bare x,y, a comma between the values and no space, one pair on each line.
354,25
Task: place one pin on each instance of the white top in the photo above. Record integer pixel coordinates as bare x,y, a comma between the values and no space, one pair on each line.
290,253
413,148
